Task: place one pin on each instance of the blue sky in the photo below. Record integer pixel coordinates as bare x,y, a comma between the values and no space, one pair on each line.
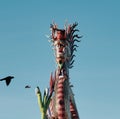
26,54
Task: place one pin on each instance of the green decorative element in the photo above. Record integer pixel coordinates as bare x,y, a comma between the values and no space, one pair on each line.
43,103
60,65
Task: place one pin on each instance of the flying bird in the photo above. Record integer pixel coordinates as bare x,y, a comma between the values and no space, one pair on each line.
7,79
27,86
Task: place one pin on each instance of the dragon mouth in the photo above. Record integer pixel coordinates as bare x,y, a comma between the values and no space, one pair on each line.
60,55
60,60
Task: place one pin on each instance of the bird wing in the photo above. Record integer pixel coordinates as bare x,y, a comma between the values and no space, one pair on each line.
8,81
2,79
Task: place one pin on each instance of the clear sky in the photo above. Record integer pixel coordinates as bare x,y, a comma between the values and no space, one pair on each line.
26,54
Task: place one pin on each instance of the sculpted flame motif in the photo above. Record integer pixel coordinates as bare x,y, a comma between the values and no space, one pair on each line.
62,103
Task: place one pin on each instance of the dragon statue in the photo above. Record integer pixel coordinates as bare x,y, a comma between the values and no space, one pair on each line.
58,101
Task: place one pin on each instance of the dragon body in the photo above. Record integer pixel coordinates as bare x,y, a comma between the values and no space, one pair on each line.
62,103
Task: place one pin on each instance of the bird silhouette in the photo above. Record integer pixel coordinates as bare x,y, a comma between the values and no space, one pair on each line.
27,86
7,79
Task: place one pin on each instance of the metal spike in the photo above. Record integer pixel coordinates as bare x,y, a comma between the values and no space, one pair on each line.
72,62
76,40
